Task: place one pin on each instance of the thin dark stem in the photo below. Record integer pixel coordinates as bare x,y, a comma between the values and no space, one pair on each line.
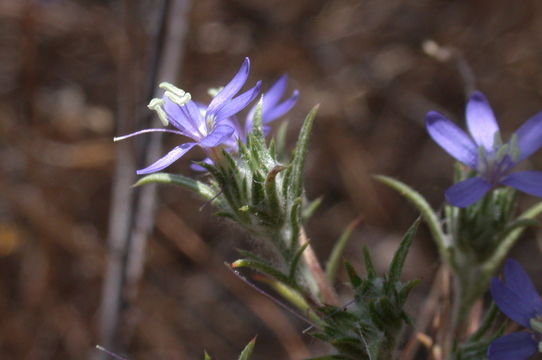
132,211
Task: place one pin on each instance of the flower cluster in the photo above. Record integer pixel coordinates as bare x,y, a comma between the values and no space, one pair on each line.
215,126
517,297
484,152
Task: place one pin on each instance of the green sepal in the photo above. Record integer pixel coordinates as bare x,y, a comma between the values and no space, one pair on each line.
256,138
198,187
338,250
257,125
247,351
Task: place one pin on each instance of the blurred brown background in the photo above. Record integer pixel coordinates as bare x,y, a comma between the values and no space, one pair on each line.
72,71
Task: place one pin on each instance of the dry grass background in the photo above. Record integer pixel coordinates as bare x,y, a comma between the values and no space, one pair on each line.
62,71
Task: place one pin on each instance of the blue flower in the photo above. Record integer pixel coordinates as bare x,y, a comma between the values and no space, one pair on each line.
518,299
271,110
209,127
484,152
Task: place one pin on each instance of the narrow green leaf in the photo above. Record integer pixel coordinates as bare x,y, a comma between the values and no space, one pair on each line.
396,266
338,250
405,290
368,261
428,214
287,180
264,268
295,223
294,297
355,280
247,351
273,201
295,261
164,178
273,149
311,208
257,190
206,356
300,153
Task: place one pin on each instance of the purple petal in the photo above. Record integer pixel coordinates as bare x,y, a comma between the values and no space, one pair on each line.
186,118
529,182
168,159
219,134
272,96
451,138
514,346
233,106
467,192
518,281
231,88
512,304
271,114
118,138
530,136
481,121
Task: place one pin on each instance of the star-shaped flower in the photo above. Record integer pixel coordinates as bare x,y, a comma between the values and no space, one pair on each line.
518,299
484,152
209,126
272,109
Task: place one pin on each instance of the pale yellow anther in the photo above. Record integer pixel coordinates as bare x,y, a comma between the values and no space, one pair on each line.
214,91
157,105
172,88
178,96
179,100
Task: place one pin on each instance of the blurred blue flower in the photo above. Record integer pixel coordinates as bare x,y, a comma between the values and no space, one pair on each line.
484,152
271,108
209,126
518,299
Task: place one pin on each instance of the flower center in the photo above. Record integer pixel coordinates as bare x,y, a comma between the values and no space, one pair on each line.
496,163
